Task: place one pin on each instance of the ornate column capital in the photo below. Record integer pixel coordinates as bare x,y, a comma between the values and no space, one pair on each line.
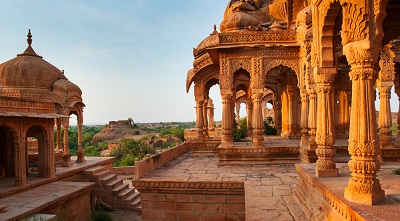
257,97
324,75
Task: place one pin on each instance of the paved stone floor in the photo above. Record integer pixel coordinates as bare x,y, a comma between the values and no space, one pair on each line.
27,202
268,189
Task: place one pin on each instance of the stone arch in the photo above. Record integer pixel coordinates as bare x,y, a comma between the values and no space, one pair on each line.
7,150
328,11
45,154
237,64
241,80
290,63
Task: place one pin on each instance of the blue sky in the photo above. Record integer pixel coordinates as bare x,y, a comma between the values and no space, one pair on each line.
130,58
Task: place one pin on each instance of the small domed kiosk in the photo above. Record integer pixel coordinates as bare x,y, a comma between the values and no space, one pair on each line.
34,97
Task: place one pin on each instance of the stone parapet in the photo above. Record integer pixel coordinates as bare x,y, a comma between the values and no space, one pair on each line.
322,198
150,164
206,149
186,200
258,155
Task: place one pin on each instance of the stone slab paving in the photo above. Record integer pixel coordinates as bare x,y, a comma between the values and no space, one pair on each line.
268,189
28,202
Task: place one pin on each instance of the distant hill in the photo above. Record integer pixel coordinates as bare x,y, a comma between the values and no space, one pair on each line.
115,131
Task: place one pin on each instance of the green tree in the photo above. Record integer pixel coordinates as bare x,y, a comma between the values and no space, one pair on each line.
269,126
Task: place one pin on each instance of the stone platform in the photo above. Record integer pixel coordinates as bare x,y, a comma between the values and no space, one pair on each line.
51,195
323,198
7,186
54,198
197,188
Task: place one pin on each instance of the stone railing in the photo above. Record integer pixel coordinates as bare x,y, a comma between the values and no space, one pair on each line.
151,163
130,170
215,134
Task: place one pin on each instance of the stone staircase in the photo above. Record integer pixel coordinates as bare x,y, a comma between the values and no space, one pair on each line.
112,191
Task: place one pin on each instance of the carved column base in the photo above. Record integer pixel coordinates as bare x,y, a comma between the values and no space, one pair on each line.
304,140
249,131
81,156
258,138
364,191
325,165
199,136
320,171
226,139
66,160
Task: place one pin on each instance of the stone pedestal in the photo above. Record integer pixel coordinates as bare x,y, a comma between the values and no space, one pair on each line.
325,134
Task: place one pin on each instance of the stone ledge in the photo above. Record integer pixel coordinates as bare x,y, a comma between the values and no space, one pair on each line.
323,198
143,184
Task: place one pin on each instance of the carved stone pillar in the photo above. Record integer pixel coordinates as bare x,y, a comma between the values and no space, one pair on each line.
312,118
264,104
58,124
386,78
258,123
385,118
205,119
249,107
199,121
66,154
227,121
325,136
80,152
290,93
20,162
346,114
363,186
210,112
278,116
304,117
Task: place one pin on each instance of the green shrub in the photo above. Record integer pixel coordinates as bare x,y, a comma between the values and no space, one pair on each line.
100,215
396,172
239,133
136,132
269,126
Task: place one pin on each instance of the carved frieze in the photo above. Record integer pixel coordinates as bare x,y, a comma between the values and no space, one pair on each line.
257,37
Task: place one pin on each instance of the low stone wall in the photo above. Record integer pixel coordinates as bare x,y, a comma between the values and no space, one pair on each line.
215,134
124,170
205,149
78,208
208,200
150,164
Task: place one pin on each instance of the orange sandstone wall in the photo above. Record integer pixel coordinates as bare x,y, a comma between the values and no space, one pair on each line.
78,208
150,164
192,206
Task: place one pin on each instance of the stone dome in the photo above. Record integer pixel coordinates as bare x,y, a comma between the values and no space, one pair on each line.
28,70
209,42
65,85
238,21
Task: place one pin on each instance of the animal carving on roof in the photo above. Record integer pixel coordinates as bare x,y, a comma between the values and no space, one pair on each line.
254,15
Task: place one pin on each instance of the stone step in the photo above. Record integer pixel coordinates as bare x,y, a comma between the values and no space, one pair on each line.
133,196
113,183
107,179
100,175
93,170
136,203
126,192
120,188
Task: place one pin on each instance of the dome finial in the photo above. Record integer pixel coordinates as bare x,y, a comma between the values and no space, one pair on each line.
215,29
29,40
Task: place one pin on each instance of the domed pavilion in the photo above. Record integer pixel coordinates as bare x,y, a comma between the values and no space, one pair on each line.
34,97
320,64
